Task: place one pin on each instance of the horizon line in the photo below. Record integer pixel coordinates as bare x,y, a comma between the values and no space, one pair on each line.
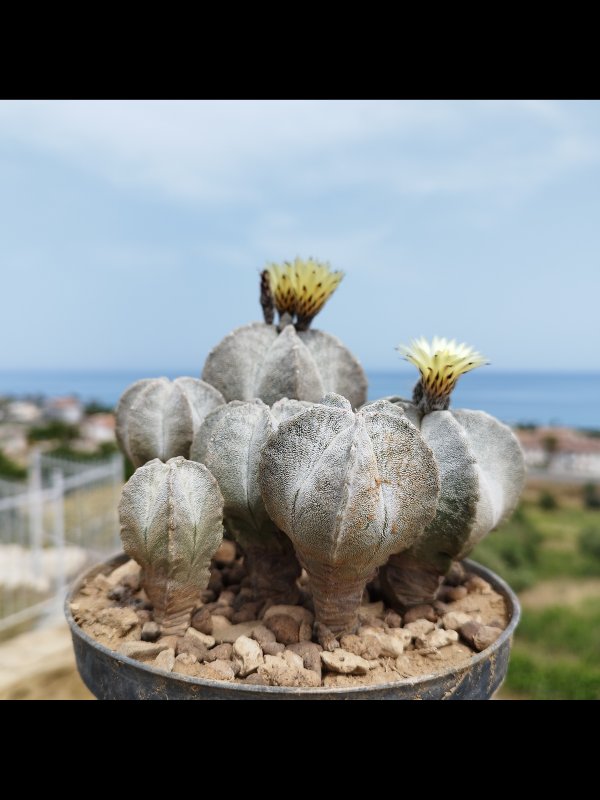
373,369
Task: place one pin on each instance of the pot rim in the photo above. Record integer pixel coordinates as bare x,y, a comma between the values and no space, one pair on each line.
497,582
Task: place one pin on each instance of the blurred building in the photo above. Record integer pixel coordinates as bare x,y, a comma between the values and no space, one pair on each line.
98,428
64,409
561,451
23,411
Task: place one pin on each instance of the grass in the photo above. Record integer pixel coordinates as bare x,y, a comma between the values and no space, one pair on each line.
556,652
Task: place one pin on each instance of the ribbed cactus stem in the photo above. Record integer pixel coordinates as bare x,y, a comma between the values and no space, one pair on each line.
172,610
406,582
336,596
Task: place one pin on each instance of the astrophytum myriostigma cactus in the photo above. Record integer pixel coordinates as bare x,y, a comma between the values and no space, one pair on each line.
287,360
157,418
230,443
171,524
481,469
349,489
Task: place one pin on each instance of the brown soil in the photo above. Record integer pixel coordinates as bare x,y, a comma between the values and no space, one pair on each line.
235,639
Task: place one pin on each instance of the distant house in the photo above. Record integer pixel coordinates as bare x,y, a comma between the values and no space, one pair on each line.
23,411
64,409
559,451
13,441
98,428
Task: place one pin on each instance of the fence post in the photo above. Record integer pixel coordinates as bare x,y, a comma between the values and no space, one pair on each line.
36,512
58,513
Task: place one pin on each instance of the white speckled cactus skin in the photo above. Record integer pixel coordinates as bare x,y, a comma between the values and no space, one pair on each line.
171,524
157,418
349,489
482,472
230,443
257,360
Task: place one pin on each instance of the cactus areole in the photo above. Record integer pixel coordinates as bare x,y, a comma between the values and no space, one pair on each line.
273,360
481,469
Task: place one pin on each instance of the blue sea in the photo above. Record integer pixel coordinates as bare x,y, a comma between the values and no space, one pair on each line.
541,398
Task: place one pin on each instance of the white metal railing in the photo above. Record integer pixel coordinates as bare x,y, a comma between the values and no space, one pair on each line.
51,526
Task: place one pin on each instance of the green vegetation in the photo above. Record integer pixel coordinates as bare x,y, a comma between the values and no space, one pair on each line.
102,451
10,469
56,429
548,501
549,551
95,407
591,496
589,542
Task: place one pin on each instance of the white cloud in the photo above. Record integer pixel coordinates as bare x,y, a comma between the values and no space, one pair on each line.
242,151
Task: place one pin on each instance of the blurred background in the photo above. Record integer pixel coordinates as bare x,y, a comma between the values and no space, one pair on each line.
132,234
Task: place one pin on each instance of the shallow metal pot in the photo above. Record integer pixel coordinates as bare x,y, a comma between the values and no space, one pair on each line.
111,676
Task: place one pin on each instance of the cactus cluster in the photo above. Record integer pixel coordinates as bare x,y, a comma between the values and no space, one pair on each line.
277,446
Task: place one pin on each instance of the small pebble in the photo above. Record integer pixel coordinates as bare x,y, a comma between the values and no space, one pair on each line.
226,597
248,654
141,651
420,612
129,571
243,615
121,619
365,645
345,663
436,639
285,628
224,669
298,613
202,621
389,646
479,585
452,593
221,651
273,648
165,660
454,620
481,637
392,619
263,635
150,632
293,659
190,647
278,672
226,553
186,664
198,637
224,631
420,627
170,641
310,652
305,632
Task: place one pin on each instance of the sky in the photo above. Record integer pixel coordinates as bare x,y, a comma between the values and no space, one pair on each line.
132,233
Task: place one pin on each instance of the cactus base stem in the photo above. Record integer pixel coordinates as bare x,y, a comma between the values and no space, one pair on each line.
336,598
273,572
406,582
